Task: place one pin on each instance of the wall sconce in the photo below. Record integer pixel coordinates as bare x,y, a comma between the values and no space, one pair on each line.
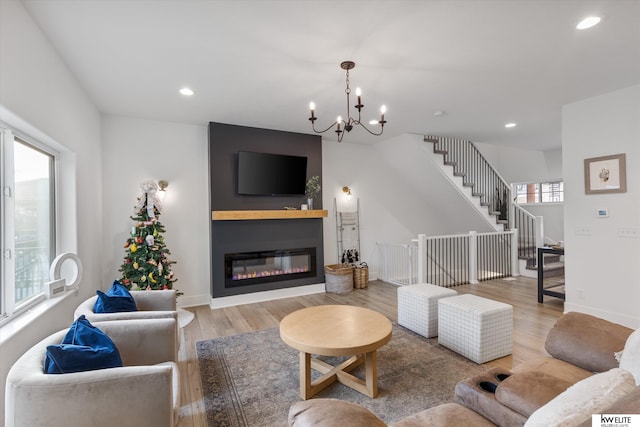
162,184
347,190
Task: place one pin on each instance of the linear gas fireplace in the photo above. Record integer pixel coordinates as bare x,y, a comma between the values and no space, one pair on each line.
250,268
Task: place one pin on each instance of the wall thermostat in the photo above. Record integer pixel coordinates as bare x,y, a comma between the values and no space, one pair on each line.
602,213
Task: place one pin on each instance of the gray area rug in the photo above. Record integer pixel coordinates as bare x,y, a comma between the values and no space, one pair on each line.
252,379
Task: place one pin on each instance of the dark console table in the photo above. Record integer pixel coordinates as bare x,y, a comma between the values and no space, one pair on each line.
553,290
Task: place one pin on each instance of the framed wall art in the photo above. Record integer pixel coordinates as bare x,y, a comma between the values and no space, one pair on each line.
607,174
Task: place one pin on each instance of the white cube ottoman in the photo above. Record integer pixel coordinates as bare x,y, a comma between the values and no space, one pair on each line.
478,328
418,307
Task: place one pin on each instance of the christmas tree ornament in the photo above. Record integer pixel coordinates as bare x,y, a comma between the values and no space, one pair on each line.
135,267
150,240
133,248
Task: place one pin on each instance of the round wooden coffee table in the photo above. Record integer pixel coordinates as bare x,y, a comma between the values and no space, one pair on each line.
336,330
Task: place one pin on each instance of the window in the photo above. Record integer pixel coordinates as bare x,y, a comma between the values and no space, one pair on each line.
539,192
28,221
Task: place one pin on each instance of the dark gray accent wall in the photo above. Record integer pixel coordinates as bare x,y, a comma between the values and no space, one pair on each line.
225,141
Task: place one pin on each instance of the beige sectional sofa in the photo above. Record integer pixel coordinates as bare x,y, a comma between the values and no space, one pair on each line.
581,376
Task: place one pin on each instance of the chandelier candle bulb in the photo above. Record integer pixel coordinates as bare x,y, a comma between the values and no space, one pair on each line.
312,107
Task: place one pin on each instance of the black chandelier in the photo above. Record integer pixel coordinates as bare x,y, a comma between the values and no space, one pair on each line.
348,124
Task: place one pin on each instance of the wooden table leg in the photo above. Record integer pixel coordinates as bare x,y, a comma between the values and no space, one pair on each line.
371,373
340,373
305,375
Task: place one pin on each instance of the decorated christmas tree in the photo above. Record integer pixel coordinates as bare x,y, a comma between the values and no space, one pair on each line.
146,262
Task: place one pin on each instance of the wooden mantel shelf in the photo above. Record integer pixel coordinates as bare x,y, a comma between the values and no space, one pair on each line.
268,214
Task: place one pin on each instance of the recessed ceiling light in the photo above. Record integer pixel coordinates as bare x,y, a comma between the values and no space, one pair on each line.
186,91
510,125
588,22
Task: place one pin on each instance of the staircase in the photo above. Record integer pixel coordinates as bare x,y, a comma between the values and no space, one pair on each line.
476,172
494,194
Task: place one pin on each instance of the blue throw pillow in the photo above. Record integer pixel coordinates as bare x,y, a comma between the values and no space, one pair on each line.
117,299
83,348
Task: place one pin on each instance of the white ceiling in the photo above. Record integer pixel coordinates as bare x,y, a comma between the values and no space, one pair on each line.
259,63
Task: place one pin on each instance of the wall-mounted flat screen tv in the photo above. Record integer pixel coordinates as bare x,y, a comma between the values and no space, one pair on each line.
265,174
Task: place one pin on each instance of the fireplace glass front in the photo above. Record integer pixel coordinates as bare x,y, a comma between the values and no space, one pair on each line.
249,268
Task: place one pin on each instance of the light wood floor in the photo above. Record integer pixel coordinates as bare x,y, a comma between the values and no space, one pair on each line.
532,321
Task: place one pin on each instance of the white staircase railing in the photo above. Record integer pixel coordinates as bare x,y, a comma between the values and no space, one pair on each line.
451,260
530,233
398,263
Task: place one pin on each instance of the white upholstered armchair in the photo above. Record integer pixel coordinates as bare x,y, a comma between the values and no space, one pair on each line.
151,305
143,393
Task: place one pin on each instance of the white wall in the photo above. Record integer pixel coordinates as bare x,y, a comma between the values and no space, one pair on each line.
135,150
553,160
522,165
36,86
602,269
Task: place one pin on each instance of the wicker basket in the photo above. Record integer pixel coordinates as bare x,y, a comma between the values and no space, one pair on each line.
361,276
338,278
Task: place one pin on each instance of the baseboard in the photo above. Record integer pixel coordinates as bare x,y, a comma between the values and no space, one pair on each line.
193,300
265,296
612,316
